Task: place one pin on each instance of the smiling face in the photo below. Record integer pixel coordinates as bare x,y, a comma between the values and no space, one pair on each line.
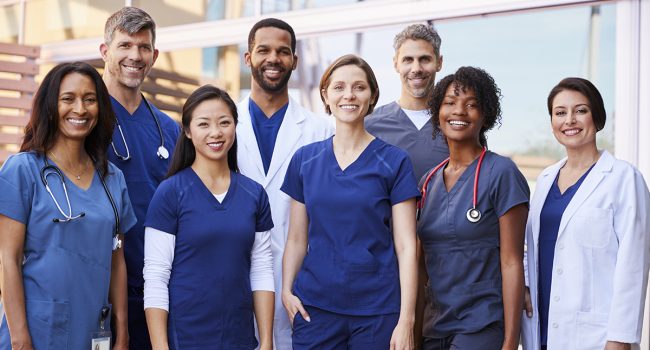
417,65
571,120
460,117
77,106
128,58
212,130
348,94
271,60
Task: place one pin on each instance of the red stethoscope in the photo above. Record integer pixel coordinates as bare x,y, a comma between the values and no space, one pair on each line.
473,214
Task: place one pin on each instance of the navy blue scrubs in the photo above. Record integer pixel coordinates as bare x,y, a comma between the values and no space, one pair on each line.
350,267
210,297
266,130
462,258
143,172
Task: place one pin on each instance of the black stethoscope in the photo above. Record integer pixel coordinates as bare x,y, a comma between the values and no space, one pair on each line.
49,169
162,152
473,214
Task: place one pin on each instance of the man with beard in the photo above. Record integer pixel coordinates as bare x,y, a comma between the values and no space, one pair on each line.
272,126
142,140
406,123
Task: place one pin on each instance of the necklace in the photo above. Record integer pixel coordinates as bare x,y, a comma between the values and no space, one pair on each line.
78,176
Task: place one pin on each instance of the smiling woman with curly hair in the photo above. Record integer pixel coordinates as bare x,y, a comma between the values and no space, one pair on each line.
473,215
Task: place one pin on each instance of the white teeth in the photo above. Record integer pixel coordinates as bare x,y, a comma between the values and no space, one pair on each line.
78,121
571,132
458,122
131,69
215,144
349,107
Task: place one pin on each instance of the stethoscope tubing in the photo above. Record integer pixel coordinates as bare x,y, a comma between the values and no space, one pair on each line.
473,214
162,152
69,217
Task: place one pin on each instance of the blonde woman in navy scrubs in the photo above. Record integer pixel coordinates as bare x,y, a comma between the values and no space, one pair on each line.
348,281
472,221
208,265
587,234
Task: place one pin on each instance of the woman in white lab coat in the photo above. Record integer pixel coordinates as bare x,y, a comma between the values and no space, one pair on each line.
587,236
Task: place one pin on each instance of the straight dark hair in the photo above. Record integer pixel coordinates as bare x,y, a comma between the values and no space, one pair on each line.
588,90
184,152
42,129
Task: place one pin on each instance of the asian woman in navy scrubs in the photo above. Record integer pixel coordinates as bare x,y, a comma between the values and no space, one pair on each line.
588,236
471,228
348,280
208,264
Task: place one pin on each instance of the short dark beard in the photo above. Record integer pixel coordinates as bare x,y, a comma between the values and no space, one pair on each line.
258,76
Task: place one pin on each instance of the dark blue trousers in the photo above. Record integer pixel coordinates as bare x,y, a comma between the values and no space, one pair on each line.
329,330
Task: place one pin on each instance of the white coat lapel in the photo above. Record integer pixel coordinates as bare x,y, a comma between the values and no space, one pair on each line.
543,186
247,140
602,167
288,135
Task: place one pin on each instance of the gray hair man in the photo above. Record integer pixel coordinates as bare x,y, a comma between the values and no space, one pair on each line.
406,122
142,140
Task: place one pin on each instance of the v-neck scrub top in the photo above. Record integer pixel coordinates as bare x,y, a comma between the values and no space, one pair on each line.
67,265
143,172
391,124
350,266
210,297
462,258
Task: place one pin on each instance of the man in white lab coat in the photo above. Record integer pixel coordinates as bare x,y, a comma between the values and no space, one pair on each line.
272,126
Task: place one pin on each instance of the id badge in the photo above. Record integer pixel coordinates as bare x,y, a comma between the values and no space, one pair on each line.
101,341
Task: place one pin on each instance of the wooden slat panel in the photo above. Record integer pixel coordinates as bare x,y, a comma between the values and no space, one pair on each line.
161,74
28,68
19,103
154,89
166,106
22,85
10,120
16,139
20,50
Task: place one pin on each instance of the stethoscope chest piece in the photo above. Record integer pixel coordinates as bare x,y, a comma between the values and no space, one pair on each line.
162,153
473,215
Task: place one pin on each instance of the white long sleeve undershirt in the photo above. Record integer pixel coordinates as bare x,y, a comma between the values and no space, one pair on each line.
159,255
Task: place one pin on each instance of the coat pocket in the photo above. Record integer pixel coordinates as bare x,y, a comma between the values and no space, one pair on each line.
593,227
591,330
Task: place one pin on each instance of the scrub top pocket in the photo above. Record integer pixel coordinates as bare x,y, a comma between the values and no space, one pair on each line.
49,324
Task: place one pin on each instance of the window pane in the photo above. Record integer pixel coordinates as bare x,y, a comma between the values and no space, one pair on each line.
9,23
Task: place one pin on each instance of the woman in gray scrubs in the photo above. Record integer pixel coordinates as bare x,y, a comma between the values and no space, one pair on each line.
472,221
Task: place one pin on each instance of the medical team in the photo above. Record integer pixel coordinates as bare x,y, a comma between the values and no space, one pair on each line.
122,229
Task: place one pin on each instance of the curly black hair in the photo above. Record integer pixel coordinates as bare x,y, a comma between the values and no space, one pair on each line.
487,94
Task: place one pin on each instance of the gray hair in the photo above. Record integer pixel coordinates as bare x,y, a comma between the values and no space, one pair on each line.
129,20
419,32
